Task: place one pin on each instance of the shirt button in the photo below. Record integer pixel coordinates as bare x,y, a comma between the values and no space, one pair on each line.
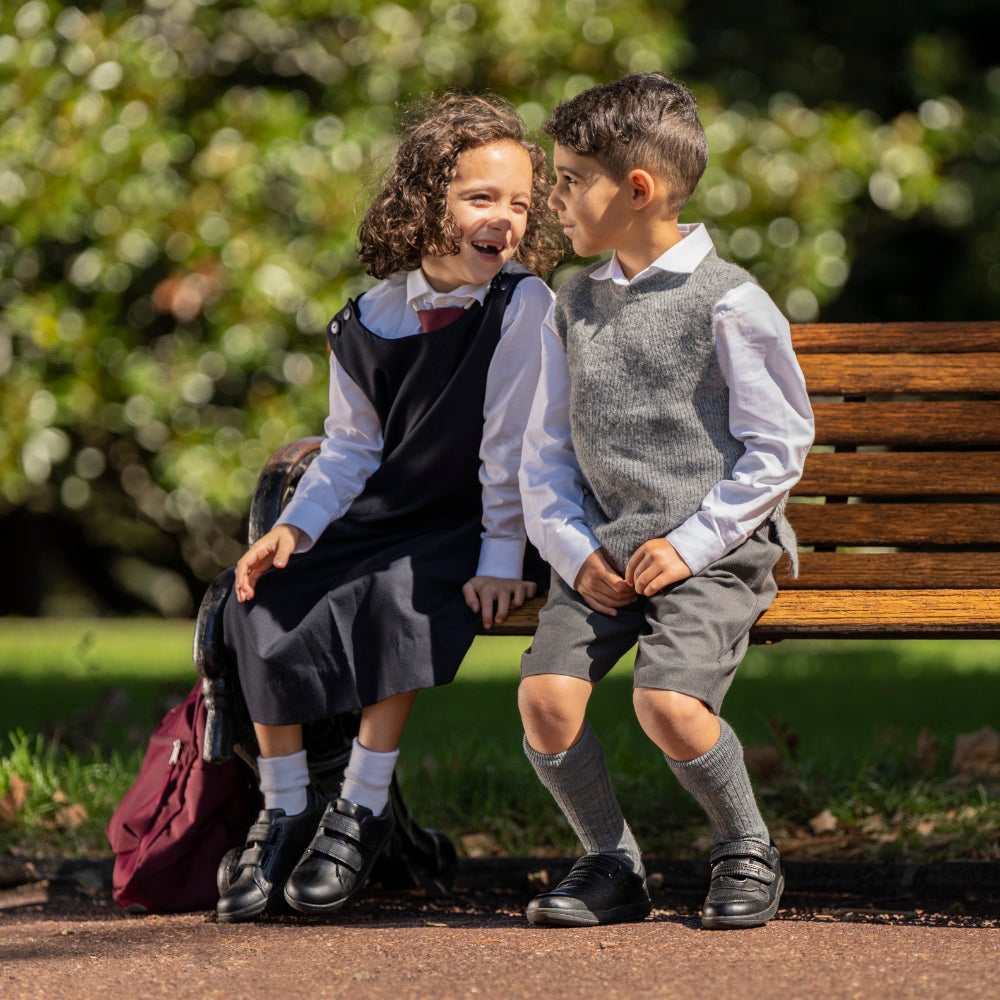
347,314
334,327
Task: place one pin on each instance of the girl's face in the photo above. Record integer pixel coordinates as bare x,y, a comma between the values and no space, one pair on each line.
489,197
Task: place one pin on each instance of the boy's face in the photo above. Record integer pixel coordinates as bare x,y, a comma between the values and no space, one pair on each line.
593,209
489,197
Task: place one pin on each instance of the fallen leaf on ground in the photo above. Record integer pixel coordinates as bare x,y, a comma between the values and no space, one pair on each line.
823,822
976,752
480,845
13,802
72,817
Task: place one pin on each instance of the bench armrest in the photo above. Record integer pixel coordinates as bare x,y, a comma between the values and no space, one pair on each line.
277,482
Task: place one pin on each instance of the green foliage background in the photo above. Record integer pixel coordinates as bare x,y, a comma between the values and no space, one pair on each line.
180,180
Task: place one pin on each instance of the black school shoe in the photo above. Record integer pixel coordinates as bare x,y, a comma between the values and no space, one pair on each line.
746,887
252,884
599,889
339,858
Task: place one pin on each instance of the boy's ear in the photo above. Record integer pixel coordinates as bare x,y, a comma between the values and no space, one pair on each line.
643,186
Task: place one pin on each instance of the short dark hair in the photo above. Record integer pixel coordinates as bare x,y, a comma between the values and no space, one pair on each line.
409,219
642,121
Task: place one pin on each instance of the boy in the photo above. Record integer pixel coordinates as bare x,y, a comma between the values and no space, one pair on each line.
670,422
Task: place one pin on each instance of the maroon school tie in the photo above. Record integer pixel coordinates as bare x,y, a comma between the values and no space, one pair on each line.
434,319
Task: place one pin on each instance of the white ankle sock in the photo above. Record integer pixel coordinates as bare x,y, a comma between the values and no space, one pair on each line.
367,777
283,782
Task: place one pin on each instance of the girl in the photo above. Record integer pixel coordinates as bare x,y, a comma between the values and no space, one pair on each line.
406,530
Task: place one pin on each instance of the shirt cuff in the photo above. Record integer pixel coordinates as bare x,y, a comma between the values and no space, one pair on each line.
574,545
501,557
697,544
310,518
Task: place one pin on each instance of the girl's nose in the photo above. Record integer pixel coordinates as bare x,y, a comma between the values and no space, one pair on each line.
555,202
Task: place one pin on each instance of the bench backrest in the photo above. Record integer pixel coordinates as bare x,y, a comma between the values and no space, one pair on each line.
902,488
898,510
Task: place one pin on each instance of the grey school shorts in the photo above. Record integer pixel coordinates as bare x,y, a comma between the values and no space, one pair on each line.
691,636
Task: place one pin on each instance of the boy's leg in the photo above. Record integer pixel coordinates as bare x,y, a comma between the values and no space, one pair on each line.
697,638
356,826
747,880
281,832
607,885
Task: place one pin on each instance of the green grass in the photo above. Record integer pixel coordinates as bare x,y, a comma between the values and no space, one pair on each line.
81,697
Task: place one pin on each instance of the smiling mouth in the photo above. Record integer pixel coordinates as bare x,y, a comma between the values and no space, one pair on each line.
487,249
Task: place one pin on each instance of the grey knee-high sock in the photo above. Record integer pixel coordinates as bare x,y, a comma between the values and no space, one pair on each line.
579,782
719,782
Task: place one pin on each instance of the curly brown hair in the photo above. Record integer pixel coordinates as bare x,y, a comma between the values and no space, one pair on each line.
408,219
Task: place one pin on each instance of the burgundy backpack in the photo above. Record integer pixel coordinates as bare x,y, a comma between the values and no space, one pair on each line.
181,816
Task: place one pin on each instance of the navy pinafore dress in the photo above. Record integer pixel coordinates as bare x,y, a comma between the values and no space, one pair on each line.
375,607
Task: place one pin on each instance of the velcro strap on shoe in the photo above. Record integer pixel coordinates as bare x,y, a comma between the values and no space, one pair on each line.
251,857
743,849
339,850
336,822
743,868
259,833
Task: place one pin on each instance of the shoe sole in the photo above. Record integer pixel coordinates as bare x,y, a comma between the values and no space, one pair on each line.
239,916
554,917
321,909
744,920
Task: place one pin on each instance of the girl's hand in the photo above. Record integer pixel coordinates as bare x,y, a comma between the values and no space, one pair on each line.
601,586
481,591
653,566
272,549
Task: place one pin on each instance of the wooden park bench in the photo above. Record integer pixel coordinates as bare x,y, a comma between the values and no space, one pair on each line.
897,513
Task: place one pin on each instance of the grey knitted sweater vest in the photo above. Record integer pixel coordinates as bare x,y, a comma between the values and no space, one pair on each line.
649,407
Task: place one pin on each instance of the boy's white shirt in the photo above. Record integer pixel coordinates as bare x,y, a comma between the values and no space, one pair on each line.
352,448
769,412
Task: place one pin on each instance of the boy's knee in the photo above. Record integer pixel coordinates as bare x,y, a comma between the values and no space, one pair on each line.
552,709
672,707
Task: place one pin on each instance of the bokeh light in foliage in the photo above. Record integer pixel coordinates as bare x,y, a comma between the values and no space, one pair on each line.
180,182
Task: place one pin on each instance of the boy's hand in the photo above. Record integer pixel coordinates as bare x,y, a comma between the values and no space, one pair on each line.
601,586
272,549
481,592
653,566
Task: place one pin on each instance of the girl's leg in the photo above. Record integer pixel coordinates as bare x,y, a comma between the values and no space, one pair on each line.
284,771
375,751
356,826
281,832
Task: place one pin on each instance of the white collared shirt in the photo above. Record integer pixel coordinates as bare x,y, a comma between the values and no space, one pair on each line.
352,449
769,412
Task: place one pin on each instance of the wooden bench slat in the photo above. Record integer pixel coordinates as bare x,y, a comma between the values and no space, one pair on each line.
893,571
872,613
881,614
896,524
952,422
893,474
908,338
872,374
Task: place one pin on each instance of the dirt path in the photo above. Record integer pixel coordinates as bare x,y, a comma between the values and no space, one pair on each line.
67,939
